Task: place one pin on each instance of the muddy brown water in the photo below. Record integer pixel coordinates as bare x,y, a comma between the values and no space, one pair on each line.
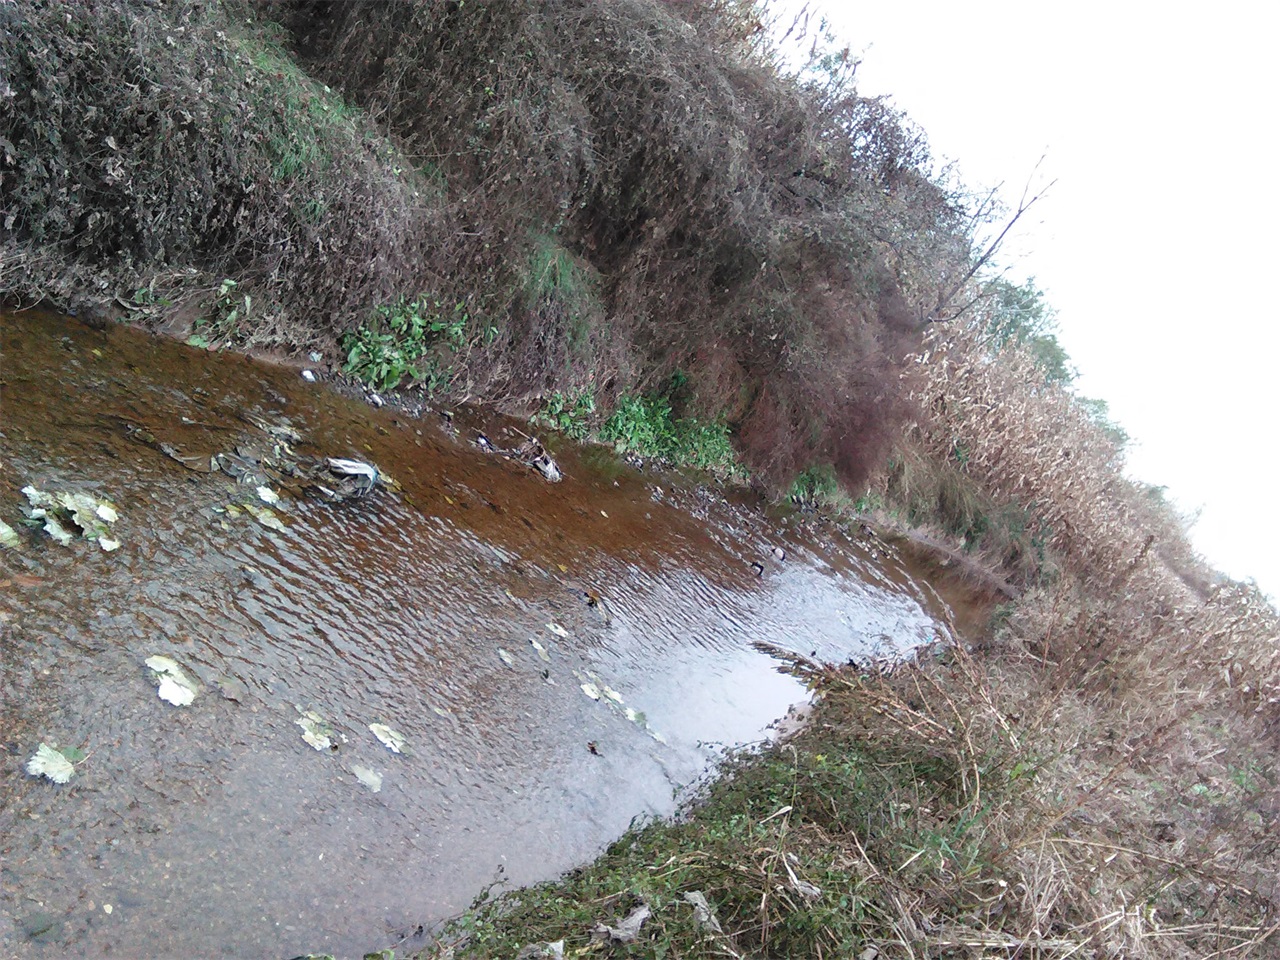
215,829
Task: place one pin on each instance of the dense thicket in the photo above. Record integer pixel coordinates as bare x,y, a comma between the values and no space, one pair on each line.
613,190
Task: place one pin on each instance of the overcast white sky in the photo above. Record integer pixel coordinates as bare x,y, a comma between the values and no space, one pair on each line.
1158,243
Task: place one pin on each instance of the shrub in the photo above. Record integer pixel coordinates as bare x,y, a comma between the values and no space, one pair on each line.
568,413
383,353
700,207
163,148
647,426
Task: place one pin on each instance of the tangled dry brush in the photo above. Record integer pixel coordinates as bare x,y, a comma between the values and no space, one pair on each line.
611,191
1116,733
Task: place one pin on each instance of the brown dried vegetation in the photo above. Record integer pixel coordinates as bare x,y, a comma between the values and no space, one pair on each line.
1140,688
614,190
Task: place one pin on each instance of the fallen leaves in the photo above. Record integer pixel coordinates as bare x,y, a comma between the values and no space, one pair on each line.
66,511
370,778
265,516
51,763
391,739
175,686
316,730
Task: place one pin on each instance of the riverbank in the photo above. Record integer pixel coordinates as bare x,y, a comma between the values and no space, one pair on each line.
1019,795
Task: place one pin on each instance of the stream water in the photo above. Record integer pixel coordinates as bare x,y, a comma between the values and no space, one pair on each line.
215,828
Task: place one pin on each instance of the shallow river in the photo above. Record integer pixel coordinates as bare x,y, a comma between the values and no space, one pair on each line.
216,829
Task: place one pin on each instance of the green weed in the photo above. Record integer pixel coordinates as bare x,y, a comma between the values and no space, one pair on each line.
645,424
817,485
868,501
405,340
229,310
310,120
559,289
568,413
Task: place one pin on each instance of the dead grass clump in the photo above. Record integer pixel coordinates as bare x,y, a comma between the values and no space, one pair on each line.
992,426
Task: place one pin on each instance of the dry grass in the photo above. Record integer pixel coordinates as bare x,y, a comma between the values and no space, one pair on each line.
1027,799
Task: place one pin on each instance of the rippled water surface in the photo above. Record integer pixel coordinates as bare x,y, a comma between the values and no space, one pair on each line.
215,829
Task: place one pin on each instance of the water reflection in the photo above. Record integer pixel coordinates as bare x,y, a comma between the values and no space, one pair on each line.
216,829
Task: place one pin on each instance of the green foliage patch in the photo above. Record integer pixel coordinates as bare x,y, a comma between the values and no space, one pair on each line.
571,413
645,424
400,337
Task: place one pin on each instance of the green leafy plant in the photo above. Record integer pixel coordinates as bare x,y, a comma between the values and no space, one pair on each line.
568,413
645,424
817,484
400,341
640,424
229,310
378,359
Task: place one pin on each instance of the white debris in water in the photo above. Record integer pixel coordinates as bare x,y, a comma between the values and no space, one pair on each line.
558,630
9,537
90,515
316,730
542,651
353,468
506,658
54,528
175,686
591,690
370,778
173,692
50,763
267,495
391,739
548,468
